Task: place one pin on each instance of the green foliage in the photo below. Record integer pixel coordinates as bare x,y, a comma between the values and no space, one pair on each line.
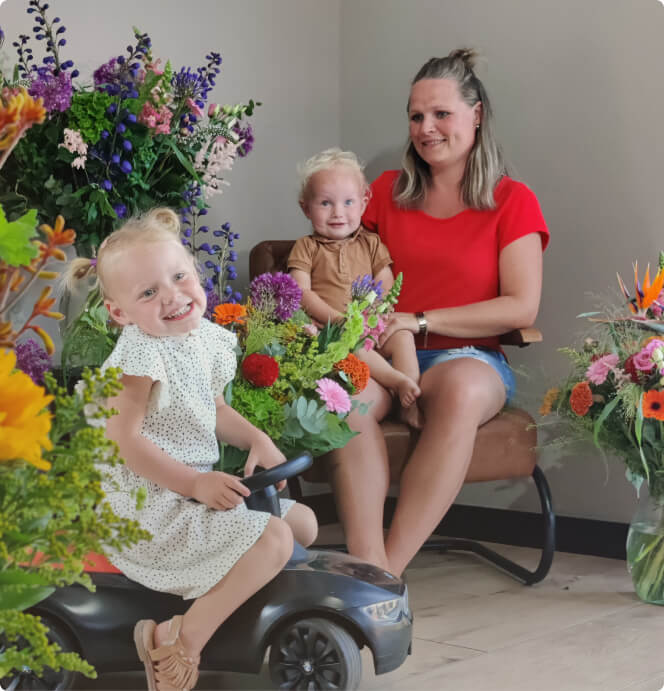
16,248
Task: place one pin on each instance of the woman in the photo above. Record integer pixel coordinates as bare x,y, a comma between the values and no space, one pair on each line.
469,241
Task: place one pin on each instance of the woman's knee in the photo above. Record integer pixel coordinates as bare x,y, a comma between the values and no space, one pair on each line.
276,543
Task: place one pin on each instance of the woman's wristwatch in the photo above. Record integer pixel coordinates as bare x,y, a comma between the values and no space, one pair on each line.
423,326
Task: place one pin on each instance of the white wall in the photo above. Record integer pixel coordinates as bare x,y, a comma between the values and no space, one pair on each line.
577,90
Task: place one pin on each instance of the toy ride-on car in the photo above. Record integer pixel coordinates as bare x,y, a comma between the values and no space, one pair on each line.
314,616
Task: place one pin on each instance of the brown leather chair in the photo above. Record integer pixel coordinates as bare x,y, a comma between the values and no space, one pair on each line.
504,448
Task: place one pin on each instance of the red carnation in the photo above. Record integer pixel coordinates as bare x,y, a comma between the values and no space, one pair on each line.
260,370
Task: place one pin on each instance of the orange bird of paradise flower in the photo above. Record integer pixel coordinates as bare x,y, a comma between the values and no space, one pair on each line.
646,294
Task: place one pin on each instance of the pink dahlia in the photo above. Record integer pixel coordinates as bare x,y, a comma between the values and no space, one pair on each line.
599,370
336,399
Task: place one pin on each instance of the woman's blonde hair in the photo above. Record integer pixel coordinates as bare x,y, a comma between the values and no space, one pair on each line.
158,225
485,165
325,160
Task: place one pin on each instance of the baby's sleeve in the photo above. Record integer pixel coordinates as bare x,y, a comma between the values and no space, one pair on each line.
223,345
138,355
301,256
380,255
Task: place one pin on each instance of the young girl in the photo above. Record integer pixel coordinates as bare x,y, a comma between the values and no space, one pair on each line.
333,195
171,411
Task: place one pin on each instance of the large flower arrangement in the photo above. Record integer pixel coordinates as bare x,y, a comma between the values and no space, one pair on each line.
294,380
614,396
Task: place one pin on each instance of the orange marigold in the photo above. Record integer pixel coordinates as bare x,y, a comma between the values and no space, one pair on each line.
581,398
229,313
357,370
653,404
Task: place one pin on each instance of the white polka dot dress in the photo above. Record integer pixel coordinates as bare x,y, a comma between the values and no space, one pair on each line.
192,546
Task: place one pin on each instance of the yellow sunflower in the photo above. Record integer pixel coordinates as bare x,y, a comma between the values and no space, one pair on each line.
24,425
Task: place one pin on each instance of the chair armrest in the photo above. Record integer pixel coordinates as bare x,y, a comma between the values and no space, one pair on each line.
521,337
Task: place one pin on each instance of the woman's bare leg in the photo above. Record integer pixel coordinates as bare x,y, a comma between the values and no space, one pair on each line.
360,478
457,397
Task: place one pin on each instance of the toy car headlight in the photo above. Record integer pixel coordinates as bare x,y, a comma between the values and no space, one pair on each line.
389,610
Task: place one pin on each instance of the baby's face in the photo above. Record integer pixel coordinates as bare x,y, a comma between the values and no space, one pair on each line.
335,202
155,286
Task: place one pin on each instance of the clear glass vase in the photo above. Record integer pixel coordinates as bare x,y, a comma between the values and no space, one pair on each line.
645,549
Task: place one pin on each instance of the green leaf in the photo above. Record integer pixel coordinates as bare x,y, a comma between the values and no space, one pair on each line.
23,596
608,408
16,248
17,576
186,163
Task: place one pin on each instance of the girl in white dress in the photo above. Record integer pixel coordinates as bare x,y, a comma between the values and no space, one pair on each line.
171,411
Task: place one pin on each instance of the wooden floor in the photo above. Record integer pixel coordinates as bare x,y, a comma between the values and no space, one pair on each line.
476,629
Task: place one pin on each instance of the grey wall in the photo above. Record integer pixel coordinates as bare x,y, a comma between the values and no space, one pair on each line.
577,89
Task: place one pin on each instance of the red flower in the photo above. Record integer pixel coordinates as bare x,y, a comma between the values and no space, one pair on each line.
630,368
260,370
581,398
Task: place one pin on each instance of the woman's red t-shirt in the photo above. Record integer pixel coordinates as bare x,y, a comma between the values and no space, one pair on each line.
452,261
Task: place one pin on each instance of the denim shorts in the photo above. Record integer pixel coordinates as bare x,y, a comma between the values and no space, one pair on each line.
429,358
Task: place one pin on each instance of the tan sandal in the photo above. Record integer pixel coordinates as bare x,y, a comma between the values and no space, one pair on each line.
168,666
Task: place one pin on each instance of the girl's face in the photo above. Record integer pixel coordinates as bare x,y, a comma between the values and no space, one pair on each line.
335,202
155,286
442,125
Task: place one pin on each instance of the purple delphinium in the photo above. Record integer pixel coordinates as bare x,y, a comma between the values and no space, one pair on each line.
55,89
246,139
32,359
212,301
275,293
363,285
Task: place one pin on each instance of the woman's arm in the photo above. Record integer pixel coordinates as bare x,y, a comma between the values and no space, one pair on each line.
520,270
312,304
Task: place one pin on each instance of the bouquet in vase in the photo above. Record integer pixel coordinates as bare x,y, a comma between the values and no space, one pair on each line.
295,381
614,396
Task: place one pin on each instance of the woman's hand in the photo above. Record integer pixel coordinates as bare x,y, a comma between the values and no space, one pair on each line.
398,321
263,452
219,490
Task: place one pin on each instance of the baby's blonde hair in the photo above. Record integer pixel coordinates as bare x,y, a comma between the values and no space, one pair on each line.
158,225
325,160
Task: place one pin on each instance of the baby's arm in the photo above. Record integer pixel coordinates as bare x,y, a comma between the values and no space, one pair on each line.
312,303
217,490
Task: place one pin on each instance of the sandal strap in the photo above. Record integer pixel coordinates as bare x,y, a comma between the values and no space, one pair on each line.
173,667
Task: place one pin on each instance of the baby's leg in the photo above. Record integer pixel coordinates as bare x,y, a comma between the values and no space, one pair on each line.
257,566
400,347
303,523
389,377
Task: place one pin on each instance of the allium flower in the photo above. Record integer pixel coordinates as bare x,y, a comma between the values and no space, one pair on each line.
275,294
54,89
260,370
106,73
24,422
581,398
599,370
32,359
333,395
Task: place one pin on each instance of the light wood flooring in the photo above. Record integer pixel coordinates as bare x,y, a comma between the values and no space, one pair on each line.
476,629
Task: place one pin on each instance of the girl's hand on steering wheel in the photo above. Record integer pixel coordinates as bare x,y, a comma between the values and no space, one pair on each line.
398,321
263,452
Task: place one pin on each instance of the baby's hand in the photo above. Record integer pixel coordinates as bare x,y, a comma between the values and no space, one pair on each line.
263,452
219,490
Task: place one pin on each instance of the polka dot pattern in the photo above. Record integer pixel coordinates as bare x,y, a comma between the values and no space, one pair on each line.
192,546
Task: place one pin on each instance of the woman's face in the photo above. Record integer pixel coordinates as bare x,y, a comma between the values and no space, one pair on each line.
442,125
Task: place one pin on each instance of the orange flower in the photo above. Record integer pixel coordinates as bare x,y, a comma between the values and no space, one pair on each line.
58,235
18,112
646,294
549,399
581,398
653,404
229,313
357,370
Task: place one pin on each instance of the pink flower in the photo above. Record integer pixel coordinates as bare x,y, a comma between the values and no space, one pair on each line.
310,330
154,67
335,398
213,110
193,107
643,359
599,370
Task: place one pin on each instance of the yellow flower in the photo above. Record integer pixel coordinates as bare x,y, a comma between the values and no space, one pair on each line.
24,425
549,399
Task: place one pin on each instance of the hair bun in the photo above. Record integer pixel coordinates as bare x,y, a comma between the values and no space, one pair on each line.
468,56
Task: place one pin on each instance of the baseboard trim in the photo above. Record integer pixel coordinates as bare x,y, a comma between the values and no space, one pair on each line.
576,535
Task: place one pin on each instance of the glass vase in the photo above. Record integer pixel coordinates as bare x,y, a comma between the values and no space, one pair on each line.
645,549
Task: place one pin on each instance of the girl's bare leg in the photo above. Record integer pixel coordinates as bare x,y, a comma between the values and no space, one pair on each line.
257,566
360,478
303,523
457,397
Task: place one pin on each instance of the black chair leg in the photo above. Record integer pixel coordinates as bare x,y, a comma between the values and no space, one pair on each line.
519,572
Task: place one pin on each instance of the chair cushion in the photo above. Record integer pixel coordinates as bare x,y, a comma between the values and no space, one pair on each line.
504,449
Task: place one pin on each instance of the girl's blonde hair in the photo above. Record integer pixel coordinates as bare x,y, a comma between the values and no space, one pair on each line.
485,165
158,225
325,160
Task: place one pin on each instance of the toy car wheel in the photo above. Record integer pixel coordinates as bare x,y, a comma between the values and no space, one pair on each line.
315,654
48,679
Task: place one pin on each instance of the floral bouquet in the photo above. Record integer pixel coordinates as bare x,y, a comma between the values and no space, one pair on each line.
295,381
615,396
